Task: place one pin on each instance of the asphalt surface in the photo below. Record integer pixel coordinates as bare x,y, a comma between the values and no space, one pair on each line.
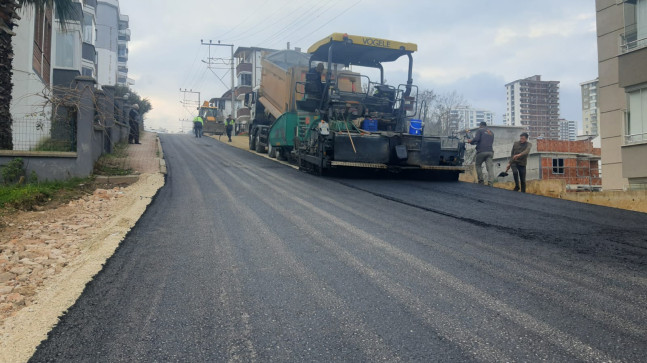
240,258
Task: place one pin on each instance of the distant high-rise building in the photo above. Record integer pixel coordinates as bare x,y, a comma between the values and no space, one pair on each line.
590,110
567,130
468,118
534,103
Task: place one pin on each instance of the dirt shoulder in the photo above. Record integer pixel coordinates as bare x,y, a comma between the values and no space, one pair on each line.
47,256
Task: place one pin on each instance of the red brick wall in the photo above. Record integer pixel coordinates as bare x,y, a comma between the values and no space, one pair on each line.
580,147
576,171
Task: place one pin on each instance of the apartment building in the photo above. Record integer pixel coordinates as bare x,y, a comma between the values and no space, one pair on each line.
590,110
248,78
567,130
113,35
622,92
534,103
47,59
468,117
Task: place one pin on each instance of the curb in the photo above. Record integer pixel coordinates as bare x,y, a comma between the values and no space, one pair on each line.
162,162
120,179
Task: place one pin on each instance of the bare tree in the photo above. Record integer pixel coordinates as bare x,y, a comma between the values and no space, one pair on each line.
436,111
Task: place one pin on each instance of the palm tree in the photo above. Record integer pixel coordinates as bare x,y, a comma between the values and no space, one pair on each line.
8,16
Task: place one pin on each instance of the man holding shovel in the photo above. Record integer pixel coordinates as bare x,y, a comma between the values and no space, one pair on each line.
518,162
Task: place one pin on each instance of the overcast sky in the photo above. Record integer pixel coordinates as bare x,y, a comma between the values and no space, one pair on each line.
473,47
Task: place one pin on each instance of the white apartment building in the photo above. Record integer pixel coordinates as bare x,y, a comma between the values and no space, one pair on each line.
469,118
113,36
567,130
590,110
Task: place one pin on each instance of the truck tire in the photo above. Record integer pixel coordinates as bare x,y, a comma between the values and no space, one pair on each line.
259,146
252,142
271,151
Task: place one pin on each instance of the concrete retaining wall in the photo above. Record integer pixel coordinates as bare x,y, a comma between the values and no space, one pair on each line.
94,137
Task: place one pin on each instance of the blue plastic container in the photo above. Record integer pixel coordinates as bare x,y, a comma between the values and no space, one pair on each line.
415,127
369,125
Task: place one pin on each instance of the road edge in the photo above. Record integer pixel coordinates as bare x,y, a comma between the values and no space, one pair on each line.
23,332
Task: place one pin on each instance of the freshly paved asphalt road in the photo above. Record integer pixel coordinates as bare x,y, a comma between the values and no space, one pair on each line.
241,258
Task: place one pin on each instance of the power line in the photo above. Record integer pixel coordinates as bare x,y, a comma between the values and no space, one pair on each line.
279,20
297,22
248,17
329,21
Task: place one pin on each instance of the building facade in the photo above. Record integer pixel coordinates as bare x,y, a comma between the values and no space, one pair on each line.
248,79
468,118
534,103
574,162
590,110
567,130
47,59
622,92
113,35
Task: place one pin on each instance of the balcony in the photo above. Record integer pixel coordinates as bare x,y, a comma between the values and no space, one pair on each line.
242,90
243,112
631,67
243,67
124,34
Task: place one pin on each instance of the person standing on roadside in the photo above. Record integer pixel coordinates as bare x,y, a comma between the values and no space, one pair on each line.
483,140
133,122
229,123
198,122
518,161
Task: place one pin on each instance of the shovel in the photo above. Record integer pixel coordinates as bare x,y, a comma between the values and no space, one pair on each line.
503,174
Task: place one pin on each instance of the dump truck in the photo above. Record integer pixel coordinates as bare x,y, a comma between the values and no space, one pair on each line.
331,117
280,72
209,113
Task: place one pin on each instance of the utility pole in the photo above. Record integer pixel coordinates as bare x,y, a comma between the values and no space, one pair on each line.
210,44
185,91
182,122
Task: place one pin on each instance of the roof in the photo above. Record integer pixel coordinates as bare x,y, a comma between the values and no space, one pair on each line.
287,59
251,49
360,50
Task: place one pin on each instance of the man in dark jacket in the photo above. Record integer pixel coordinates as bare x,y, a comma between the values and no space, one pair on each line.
483,140
133,122
518,161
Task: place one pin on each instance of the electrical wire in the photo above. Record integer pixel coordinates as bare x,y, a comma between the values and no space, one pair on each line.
272,39
329,21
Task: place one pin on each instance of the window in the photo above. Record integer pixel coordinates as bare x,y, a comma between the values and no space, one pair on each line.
66,50
636,128
88,28
43,44
635,35
245,79
89,72
558,166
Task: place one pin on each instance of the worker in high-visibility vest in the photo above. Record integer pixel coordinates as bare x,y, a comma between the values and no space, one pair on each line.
198,122
229,123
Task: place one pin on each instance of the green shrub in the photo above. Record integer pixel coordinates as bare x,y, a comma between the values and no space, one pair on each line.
12,172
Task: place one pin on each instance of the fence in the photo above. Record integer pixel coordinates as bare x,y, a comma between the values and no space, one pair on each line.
57,133
85,124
